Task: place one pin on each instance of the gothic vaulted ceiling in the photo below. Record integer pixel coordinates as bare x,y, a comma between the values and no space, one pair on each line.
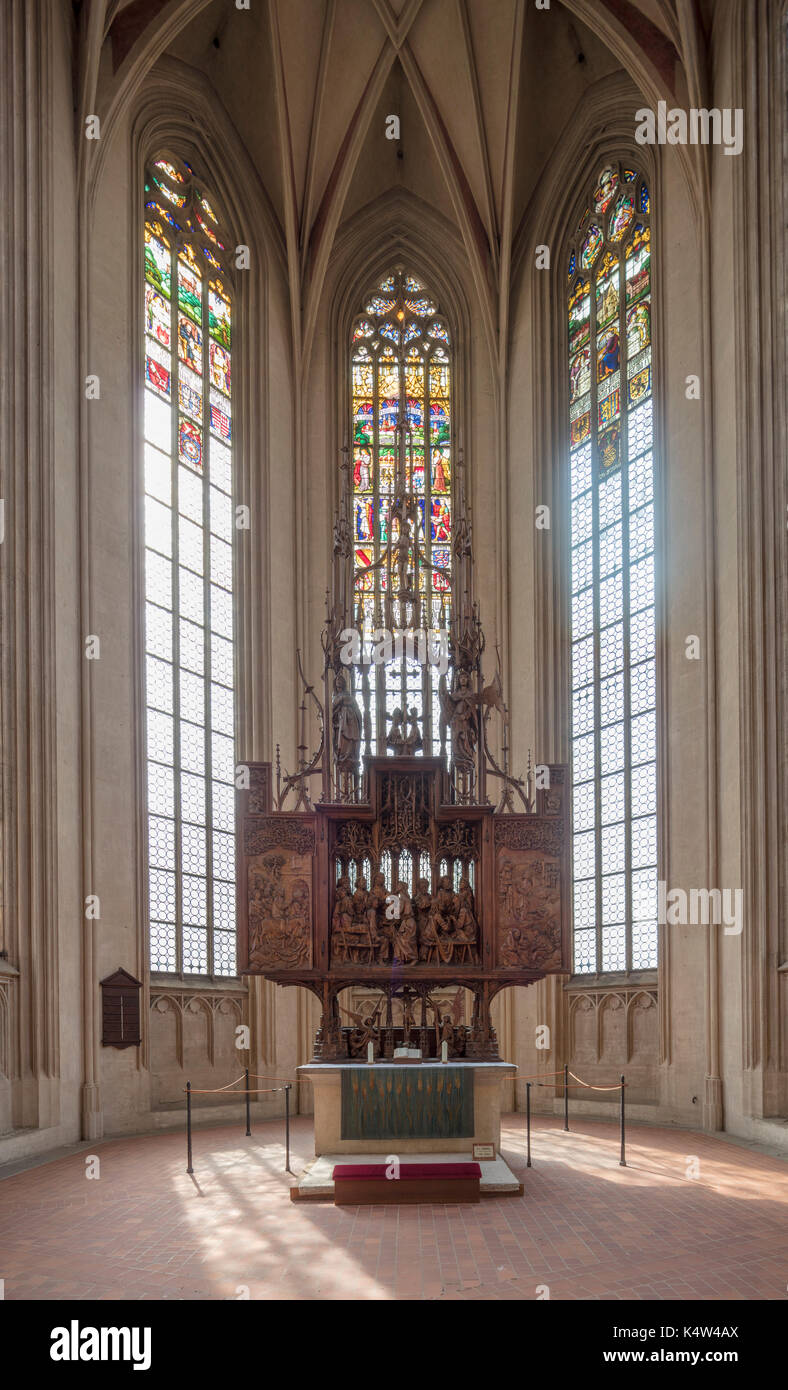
482,88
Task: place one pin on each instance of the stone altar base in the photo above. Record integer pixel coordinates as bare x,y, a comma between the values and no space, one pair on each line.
435,1108
317,1184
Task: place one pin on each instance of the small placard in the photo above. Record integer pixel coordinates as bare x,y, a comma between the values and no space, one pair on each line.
483,1151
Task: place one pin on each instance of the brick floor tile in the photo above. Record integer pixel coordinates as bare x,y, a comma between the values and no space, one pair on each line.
584,1226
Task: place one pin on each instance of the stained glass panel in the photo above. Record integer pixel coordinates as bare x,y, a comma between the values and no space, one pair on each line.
188,582
613,668
401,382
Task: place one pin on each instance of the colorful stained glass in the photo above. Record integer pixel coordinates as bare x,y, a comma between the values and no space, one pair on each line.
610,408
610,449
402,442
190,343
579,320
206,207
156,208
605,190
169,170
364,559
157,370
639,386
579,375
441,470
188,530
189,289
422,307
607,298
380,305
590,248
208,230
220,416
580,429
189,398
638,323
157,316
607,353
219,316
190,443
362,470
364,529
572,265
440,520
219,367
177,199
638,268
612,525
439,383
621,216
384,518
158,263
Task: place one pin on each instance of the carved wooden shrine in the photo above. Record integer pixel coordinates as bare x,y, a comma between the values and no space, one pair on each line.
403,878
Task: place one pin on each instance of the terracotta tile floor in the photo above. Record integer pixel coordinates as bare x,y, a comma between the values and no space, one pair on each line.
585,1227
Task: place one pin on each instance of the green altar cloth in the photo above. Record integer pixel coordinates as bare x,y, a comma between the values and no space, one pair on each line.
398,1102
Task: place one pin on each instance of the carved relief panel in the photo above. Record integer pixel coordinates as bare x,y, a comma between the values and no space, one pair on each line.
279,887
532,886
276,879
528,890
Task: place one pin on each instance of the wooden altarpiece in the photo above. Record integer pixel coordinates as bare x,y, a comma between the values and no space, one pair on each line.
489,906
402,878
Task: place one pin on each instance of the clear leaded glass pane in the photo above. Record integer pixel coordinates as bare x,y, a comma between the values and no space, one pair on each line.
611,473
189,676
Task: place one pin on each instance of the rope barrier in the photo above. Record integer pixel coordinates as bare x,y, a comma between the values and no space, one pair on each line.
289,1082
580,1084
543,1086
589,1086
532,1075
247,1092
258,1091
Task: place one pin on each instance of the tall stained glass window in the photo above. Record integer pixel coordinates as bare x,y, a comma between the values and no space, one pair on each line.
188,577
402,443
614,745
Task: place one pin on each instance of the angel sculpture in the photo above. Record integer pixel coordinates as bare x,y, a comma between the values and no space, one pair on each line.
365,1031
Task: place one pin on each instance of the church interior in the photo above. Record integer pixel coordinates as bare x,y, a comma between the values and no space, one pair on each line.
407,918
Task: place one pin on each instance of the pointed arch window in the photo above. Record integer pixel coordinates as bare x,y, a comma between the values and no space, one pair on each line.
188,576
401,405
611,465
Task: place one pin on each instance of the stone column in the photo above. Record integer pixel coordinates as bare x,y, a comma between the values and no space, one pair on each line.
29,938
